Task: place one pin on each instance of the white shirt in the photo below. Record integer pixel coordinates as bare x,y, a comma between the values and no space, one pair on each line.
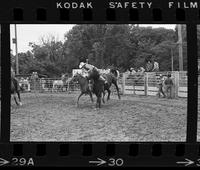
155,66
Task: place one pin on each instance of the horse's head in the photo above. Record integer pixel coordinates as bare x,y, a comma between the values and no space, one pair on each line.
76,77
82,81
64,76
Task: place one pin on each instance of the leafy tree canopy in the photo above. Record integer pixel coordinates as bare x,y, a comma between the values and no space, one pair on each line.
103,45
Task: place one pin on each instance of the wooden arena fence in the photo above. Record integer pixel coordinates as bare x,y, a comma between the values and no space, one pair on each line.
147,83
138,84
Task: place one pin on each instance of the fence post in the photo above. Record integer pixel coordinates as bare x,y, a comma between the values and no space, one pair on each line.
29,86
34,85
176,84
40,85
68,89
123,83
146,84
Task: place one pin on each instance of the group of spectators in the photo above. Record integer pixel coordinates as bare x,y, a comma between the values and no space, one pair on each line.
132,71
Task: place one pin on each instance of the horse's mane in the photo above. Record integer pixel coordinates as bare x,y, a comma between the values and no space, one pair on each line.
79,75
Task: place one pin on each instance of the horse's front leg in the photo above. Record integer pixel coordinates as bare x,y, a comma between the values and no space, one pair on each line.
98,103
91,97
103,100
79,98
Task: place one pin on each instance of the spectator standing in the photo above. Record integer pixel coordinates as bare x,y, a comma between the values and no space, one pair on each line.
132,70
34,78
155,65
160,86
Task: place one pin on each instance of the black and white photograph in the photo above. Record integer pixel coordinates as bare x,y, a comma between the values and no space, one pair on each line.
198,43
98,82
0,81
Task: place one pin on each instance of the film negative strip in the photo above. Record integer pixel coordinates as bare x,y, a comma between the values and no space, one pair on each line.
60,58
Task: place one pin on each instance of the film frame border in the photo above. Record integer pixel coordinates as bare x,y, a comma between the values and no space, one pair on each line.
41,11
191,18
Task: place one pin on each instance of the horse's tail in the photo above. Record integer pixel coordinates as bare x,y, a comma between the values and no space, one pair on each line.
115,72
118,74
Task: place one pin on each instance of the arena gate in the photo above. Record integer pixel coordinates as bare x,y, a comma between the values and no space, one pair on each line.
146,83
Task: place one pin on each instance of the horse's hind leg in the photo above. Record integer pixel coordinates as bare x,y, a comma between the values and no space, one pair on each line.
108,98
115,83
18,94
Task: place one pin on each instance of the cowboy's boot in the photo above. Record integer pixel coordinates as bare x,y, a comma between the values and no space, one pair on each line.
105,81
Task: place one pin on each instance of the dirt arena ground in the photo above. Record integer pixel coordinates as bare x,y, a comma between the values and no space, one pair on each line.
55,117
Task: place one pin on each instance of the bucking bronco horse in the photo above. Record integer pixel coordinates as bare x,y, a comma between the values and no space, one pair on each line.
84,86
96,86
90,85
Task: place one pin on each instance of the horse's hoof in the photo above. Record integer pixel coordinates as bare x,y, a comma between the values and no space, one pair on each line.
96,108
20,103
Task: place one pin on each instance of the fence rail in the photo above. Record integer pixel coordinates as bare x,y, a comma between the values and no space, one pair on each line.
139,84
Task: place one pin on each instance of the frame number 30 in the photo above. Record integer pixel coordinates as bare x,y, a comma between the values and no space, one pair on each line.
115,162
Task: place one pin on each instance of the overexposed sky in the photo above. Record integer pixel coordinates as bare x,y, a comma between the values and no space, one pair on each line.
33,32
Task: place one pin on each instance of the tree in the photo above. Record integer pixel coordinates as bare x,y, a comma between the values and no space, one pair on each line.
104,45
149,42
164,51
50,55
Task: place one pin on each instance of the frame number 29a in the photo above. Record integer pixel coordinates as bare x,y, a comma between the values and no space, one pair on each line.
22,161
